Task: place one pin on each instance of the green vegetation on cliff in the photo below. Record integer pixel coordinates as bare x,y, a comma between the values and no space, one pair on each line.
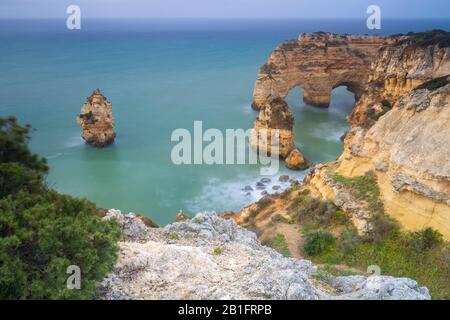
422,255
43,232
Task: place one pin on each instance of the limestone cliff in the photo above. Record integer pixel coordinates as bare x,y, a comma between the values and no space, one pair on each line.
318,63
96,120
400,130
211,258
400,126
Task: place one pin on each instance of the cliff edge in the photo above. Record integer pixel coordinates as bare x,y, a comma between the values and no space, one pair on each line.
208,257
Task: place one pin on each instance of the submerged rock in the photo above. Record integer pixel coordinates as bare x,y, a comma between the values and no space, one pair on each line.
181,261
96,120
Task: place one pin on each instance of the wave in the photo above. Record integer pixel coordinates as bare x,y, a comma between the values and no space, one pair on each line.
232,196
74,141
54,156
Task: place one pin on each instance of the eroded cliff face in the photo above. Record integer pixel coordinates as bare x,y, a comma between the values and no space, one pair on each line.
96,120
397,69
400,130
400,126
318,63
275,117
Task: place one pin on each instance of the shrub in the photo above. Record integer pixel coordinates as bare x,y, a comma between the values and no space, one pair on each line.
425,239
318,213
174,236
386,104
365,188
383,227
318,242
217,251
350,240
280,245
434,84
43,232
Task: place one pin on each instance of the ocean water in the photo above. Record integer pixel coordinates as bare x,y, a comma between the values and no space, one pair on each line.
160,75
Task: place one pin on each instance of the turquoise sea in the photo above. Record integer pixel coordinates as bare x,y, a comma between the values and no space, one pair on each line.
160,75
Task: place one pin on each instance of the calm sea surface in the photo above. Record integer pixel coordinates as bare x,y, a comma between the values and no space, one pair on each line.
160,76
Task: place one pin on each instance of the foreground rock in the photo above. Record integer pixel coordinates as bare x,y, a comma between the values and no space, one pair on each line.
96,120
208,257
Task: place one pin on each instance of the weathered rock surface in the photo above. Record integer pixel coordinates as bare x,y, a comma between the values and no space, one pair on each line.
296,161
208,257
275,119
399,126
408,149
400,129
96,120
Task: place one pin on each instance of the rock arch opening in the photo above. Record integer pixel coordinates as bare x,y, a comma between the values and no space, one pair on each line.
318,63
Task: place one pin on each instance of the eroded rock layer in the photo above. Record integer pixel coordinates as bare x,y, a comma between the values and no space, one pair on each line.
96,120
317,62
400,129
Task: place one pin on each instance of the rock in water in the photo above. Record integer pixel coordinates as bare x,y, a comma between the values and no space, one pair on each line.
182,261
96,120
296,161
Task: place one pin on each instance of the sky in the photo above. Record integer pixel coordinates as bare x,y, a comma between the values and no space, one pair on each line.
334,9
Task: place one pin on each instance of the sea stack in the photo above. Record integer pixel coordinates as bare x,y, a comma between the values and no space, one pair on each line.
96,120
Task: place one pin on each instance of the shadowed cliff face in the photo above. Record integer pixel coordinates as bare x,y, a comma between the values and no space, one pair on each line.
400,131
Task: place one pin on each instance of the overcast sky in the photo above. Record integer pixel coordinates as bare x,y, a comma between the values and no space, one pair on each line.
225,8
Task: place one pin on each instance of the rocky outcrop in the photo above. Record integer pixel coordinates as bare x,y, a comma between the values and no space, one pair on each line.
96,120
399,130
274,120
397,69
208,257
407,148
296,161
317,62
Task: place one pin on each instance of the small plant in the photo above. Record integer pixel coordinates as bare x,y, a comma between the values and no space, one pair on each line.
435,83
174,236
386,103
217,251
254,213
383,227
279,218
365,188
280,245
426,239
318,242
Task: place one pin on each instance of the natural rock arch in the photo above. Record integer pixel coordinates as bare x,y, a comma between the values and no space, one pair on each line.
318,63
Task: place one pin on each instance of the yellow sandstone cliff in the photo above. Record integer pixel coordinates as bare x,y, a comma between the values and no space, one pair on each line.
400,126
